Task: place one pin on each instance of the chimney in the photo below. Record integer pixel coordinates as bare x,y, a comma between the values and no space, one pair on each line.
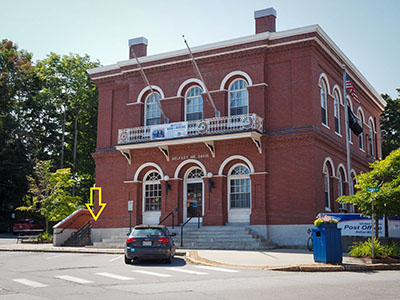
265,20
139,45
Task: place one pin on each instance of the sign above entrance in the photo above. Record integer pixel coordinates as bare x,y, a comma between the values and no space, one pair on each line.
169,131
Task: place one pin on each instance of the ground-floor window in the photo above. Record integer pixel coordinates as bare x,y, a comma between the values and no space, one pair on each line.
152,192
239,193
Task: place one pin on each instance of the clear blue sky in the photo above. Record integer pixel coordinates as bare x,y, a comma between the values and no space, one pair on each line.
367,31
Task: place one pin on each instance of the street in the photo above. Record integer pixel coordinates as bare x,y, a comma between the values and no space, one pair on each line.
27,275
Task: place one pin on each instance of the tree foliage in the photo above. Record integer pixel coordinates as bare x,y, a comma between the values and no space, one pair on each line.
390,125
385,174
49,193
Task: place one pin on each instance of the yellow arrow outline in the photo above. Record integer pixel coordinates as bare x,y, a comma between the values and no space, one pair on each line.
88,205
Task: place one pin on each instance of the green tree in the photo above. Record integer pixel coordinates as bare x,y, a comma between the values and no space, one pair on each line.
18,87
384,174
74,96
49,193
390,125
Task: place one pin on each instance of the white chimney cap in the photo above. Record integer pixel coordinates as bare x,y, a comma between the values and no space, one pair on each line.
138,41
264,12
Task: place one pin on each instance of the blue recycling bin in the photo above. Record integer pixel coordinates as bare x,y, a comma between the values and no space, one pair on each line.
327,244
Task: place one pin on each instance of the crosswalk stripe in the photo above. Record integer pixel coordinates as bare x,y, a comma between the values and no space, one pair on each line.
152,273
30,283
217,269
115,276
187,271
74,279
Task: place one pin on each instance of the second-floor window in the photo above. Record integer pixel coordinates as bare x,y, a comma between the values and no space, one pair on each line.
194,104
153,111
336,112
371,139
238,98
361,136
324,103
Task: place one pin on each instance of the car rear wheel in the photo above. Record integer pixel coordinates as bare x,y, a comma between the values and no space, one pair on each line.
128,261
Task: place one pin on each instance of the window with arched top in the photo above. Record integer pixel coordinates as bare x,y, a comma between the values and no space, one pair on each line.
152,110
336,111
371,138
324,102
327,187
361,136
152,192
239,187
194,104
238,98
349,108
195,173
341,187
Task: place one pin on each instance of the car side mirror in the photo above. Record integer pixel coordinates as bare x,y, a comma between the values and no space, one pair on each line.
128,234
173,234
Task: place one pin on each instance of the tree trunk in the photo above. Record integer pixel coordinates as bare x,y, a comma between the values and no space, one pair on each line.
62,141
74,154
47,224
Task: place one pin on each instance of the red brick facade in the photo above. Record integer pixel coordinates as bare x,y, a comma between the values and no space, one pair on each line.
283,72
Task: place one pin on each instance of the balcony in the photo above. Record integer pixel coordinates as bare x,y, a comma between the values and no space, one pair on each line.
206,130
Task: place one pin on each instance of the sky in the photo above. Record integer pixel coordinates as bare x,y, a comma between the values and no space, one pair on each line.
367,31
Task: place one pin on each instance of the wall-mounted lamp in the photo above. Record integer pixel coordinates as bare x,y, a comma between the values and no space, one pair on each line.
211,183
167,184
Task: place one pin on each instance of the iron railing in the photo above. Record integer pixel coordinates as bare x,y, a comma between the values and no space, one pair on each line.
169,215
213,126
187,221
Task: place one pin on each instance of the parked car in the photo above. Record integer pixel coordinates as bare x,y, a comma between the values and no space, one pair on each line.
150,242
27,226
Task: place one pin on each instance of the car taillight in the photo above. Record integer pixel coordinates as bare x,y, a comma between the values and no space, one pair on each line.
163,240
130,240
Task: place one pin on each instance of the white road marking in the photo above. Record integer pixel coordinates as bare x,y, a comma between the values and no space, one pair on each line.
217,269
105,274
152,273
114,259
57,256
74,279
30,283
187,271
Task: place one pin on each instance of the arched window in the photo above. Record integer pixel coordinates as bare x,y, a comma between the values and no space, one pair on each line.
336,111
341,187
349,106
240,191
194,104
327,186
238,98
153,111
371,138
361,136
152,192
324,103
195,173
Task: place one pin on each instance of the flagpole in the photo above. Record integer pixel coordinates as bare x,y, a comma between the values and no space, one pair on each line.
346,118
210,99
166,119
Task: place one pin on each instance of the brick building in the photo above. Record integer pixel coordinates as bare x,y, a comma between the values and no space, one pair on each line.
273,158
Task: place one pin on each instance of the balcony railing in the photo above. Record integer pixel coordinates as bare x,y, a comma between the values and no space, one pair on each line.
213,126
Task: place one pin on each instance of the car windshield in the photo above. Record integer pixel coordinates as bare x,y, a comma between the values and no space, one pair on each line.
147,232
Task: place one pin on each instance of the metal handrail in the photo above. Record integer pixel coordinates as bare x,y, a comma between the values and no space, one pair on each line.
173,219
78,234
187,221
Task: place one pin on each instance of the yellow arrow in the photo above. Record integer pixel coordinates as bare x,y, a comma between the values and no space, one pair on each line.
102,205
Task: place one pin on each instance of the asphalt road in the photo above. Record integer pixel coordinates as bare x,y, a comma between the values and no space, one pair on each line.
25,275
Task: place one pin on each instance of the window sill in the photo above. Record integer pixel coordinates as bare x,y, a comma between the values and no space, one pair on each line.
326,126
328,209
338,134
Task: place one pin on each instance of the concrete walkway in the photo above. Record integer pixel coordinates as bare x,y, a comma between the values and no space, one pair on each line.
278,259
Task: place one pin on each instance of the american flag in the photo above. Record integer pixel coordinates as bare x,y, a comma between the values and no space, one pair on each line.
350,88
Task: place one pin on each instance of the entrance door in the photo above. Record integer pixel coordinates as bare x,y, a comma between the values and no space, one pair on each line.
194,199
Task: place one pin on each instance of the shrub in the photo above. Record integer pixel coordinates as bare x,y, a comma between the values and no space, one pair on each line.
361,249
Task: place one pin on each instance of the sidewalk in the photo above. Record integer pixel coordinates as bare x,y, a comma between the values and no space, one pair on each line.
277,259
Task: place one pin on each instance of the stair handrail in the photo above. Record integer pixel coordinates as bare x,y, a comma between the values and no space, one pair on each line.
187,221
70,223
84,227
173,219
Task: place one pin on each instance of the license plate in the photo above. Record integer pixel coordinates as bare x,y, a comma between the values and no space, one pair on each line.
146,243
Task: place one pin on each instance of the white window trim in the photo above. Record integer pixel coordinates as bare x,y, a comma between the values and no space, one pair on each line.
322,84
185,101
335,92
155,214
245,212
326,174
229,95
145,109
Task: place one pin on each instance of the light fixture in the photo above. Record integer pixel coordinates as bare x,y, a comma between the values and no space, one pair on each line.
167,184
211,183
